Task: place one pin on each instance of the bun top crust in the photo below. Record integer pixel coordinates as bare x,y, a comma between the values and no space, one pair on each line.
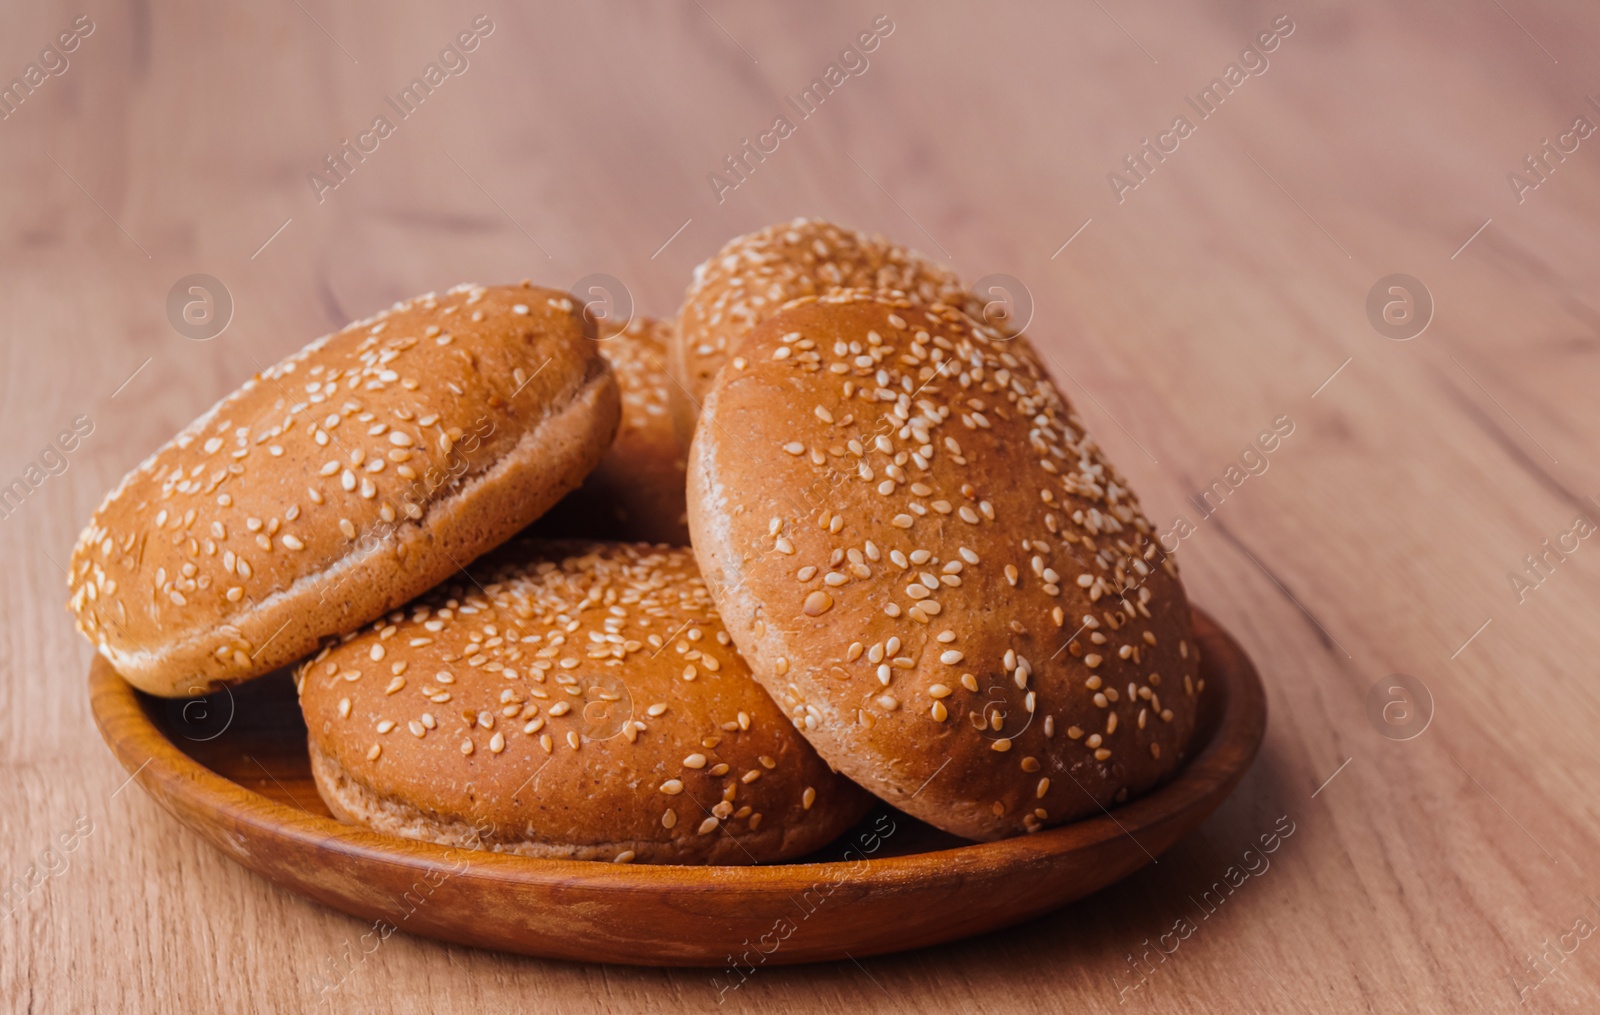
753,275
292,474
636,493
934,570
582,698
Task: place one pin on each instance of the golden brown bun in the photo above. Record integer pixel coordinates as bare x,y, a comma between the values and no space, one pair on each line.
636,493
918,549
575,700
340,483
753,275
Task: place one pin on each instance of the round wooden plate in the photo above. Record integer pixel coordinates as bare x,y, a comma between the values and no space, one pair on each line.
233,767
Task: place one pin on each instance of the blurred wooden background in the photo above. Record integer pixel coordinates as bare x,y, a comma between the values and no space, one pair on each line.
1455,871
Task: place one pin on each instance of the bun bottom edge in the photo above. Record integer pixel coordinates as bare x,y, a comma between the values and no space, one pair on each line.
487,510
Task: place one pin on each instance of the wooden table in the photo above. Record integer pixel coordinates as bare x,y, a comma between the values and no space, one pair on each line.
1221,287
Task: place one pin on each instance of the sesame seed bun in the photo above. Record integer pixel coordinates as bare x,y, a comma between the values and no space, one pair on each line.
636,493
934,570
340,483
571,700
754,275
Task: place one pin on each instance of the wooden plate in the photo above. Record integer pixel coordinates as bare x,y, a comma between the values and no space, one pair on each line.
233,767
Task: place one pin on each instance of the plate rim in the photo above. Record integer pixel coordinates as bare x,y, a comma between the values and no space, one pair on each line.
174,779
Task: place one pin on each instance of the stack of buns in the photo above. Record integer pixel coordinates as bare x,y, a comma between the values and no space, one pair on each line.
698,591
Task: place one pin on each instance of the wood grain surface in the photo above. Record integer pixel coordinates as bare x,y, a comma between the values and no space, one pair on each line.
1454,871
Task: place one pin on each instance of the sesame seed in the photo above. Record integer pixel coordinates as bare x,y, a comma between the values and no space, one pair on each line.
1002,745
817,603
672,787
808,798
695,761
